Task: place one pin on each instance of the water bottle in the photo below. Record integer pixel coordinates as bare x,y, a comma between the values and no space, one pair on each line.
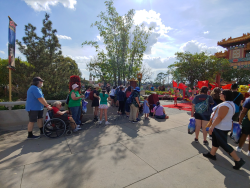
191,125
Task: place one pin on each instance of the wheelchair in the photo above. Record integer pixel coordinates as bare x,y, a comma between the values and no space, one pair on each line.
56,127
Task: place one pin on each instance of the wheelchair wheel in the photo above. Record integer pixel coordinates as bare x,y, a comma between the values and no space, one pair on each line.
54,128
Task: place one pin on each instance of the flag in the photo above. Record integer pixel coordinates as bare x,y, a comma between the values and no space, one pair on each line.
228,86
175,84
202,83
12,43
182,86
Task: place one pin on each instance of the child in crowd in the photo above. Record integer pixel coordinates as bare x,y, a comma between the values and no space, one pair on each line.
146,107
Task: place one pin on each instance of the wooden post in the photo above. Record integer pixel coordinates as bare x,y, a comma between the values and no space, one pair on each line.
10,86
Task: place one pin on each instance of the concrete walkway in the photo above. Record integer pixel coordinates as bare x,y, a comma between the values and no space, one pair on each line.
152,153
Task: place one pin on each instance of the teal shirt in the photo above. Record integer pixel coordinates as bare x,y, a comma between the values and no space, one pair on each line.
104,99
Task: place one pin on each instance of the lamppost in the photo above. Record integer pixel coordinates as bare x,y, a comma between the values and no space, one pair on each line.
139,77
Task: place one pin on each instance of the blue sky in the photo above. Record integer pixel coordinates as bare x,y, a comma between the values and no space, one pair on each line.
194,25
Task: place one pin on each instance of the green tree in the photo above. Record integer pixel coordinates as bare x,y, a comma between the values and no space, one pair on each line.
124,46
194,67
160,78
4,72
44,59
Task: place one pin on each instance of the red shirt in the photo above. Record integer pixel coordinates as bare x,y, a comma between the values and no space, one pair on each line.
55,110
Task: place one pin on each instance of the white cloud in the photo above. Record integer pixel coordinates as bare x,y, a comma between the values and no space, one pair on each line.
2,52
64,37
158,62
44,5
206,32
152,19
195,47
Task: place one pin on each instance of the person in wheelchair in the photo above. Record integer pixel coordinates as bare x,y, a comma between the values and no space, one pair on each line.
63,115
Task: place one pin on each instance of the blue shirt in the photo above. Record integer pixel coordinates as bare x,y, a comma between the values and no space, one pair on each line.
32,102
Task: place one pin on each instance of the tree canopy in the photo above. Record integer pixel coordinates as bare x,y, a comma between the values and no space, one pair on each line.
125,44
196,67
44,59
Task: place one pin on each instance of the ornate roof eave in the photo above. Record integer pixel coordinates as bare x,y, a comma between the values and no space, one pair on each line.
230,40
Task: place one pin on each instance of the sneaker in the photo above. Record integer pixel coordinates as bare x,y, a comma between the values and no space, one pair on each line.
248,153
78,126
208,155
209,137
134,121
239,164
137,119
75,130
238,149
33,137
205,142
107,123
196,140
100,122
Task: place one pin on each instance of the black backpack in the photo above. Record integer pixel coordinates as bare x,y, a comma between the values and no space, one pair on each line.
67,99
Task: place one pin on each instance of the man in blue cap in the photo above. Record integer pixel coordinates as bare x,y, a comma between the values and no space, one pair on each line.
134,107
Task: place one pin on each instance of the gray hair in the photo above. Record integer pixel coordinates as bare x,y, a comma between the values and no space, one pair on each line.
57,103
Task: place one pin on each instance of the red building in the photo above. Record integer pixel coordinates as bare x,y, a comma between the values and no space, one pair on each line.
237,52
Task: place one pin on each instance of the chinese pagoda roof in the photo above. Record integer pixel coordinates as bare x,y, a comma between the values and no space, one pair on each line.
234,41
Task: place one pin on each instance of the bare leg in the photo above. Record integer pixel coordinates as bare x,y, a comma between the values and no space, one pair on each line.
30,126
72,123
203,124
40,123
242,140
197,127
106,114
213,150
235,156
101,110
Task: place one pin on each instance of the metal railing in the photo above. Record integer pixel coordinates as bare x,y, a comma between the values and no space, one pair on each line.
10,105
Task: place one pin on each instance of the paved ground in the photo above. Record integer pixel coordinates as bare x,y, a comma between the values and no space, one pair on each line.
151,153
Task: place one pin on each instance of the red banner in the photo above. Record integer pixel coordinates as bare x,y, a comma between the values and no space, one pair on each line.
175,84
202,83
228,86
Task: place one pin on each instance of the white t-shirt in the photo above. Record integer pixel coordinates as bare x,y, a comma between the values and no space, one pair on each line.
226,123
112,92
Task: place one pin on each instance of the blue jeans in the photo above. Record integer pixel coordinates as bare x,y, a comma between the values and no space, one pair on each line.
161,117
76,114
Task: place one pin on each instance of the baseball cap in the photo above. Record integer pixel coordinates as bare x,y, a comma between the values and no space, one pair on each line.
38,79
74,86
137,89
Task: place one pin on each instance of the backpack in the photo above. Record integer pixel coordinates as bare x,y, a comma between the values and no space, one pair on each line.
202,106
91,95
237,108
130,99
67,99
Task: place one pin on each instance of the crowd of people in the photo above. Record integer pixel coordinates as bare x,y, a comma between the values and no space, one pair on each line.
218,109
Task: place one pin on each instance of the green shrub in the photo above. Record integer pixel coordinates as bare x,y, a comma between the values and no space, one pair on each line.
57,96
